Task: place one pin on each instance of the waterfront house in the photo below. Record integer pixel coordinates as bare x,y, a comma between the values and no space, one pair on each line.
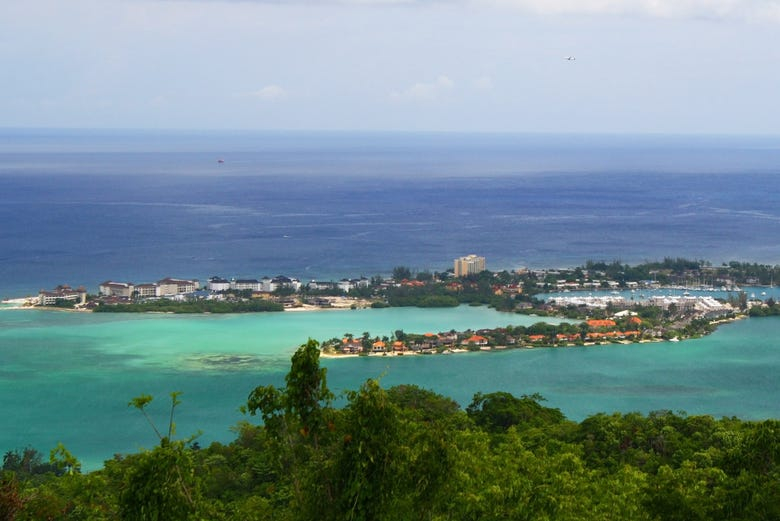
476,340
399,346
351,345
447,339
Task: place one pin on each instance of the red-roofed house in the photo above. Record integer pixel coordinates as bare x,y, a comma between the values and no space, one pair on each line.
476,340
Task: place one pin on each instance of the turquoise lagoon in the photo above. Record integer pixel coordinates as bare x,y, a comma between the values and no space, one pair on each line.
68,376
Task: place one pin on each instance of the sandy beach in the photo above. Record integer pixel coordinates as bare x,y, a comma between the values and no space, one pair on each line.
336,304
19,303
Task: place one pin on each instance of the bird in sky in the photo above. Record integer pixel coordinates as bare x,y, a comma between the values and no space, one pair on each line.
569,58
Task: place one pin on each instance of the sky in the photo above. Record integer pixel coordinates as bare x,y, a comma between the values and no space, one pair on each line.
642,66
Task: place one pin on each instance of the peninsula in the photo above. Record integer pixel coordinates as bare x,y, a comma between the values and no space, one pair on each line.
605,302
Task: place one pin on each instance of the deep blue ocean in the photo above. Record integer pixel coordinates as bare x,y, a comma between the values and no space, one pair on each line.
80,207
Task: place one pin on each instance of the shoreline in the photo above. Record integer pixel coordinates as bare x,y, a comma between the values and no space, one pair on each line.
331,354
30,303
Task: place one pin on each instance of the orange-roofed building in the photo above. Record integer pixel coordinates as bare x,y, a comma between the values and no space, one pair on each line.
635,320
601,323
399,346
536,338
477,340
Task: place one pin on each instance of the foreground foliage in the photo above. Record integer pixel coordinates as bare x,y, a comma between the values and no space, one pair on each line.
406,453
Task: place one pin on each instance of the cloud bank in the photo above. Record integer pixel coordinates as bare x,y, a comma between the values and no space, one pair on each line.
270,93
750,10
424,91
680,9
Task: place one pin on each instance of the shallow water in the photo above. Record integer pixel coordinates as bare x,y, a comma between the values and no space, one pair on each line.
68,377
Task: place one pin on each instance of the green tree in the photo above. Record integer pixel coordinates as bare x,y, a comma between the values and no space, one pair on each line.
160,485
297,418
367,464
63,461
496,412
401,272
11,502
423,404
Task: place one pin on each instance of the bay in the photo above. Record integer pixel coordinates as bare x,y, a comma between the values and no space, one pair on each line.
69,376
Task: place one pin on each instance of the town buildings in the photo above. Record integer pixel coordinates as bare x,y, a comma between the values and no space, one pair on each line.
167,287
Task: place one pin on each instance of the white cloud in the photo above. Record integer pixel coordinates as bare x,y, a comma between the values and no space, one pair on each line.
752,10
687,9
737,10
483,83
424,91
270,93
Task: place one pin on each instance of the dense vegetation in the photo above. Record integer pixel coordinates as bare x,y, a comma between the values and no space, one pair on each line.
771,309
680,270
192,306
406,453
475,289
